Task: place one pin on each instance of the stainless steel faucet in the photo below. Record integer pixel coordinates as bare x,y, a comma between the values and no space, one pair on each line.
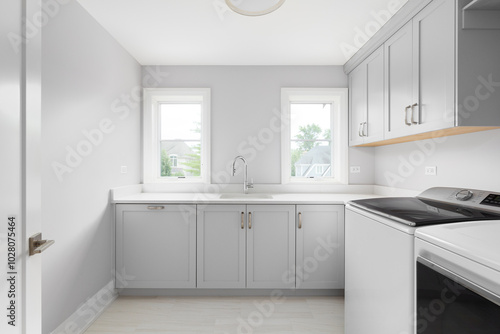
246,184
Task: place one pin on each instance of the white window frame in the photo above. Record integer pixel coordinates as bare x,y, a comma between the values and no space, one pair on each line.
153,98
338,97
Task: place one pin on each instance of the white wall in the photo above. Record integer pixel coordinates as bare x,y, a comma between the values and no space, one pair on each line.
468,161
85,76
244,101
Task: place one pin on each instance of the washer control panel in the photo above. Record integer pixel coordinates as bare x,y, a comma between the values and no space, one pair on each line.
472,198
492,199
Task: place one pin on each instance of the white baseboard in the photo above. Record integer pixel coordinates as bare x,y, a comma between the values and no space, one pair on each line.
89,312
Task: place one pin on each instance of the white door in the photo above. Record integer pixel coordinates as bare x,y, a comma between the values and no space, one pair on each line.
221,246
20,216
156,245
271,246
320,247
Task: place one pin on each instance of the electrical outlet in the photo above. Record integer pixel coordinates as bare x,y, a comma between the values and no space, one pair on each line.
431,170
355,169
124,169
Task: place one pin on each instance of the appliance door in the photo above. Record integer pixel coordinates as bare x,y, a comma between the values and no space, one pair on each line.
448,303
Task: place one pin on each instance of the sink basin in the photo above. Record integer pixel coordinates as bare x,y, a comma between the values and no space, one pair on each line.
246,196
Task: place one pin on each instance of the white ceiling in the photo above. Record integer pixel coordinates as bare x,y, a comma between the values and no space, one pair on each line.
206,32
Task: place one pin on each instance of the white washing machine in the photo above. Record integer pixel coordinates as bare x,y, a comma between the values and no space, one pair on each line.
380,252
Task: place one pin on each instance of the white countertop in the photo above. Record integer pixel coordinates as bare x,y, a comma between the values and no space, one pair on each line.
208,198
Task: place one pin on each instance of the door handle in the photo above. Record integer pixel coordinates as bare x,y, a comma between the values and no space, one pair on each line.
249,220
242,220
412,112
406,115
37,245
300,220
365,127
360,130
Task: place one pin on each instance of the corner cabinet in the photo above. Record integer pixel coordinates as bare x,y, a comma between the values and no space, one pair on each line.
155,246
320,247
439,78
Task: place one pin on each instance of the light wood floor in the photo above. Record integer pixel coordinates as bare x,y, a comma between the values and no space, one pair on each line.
222,315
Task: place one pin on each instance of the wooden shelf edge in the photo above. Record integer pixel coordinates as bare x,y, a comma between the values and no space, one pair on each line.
431,135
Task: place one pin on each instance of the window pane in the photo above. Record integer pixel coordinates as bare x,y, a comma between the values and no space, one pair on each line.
180,158
310,121
180,121
311,158
311,140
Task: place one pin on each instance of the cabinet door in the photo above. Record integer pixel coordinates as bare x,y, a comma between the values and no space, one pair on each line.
156,246
399,83
221,246
434,66
320,247
358,104
271,246
374,127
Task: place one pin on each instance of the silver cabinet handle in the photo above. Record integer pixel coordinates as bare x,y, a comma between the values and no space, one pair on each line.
300,220
242,220
412,112
156,207
365,127
406,115
360,130
249,220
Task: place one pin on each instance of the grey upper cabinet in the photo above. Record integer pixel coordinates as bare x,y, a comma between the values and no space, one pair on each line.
221,244
440,79
366,84
399,84
357,104
155,246
420,73
434,67
271,246
320,247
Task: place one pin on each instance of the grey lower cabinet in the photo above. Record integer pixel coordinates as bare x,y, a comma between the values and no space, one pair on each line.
246,246
221,239
320,247
155,246
230,246
271,246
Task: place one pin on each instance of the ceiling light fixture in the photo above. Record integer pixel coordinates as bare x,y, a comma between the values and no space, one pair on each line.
254,7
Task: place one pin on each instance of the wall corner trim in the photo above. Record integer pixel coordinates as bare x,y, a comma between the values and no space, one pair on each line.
89,311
